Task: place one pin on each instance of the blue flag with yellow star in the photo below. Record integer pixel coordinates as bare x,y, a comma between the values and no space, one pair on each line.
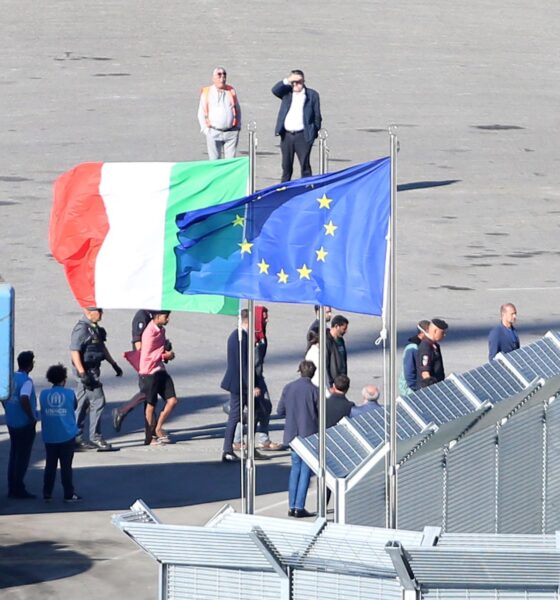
318,240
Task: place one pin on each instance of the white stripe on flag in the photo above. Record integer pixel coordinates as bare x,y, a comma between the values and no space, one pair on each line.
129,267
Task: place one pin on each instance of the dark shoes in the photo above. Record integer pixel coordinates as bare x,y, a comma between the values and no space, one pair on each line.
300,513
117,419
25,495
230,457
259,456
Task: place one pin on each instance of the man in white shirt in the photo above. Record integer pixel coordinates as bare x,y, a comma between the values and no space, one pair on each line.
219,116
298,123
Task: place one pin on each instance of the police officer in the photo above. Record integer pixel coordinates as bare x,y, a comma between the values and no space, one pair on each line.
429,361
88,351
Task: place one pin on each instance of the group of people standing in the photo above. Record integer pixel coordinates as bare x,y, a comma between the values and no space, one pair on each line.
298,122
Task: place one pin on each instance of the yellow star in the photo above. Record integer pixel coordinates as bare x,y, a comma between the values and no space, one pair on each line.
330,228
263,267
282,276
245,247
324,202
238,221
304,272
321,254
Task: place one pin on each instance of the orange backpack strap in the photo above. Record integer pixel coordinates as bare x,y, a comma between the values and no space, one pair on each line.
204,92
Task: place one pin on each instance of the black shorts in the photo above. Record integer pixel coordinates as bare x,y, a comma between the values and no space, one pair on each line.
160,383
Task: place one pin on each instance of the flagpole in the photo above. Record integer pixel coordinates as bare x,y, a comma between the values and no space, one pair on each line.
250,462
321,475
392,476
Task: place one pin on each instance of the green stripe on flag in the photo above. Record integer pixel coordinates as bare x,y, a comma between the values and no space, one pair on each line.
196,185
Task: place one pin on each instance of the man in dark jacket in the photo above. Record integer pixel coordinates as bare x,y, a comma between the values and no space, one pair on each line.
237,361
336,349
299,404
504,338
298,123
338,405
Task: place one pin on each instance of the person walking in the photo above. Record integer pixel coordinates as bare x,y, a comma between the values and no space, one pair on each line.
409,371
154,379
235,381
429,359
21,420
88,350
59,430
298,123
299,404
139,323
219,116
504,337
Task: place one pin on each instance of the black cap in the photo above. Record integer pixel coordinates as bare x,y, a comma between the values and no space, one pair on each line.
440,324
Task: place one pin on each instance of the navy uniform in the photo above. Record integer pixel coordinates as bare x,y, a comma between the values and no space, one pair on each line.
89,339
429,359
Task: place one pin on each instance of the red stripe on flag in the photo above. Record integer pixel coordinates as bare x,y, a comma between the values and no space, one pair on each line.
77,228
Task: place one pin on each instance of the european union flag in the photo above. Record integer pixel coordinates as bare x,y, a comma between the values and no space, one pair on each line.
321,239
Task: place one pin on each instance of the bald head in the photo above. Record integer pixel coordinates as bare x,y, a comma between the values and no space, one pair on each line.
370,393
508,314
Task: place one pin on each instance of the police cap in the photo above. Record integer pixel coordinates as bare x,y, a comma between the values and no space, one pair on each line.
440,324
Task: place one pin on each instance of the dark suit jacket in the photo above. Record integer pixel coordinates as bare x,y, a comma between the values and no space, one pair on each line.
311,110
230,381
299,404
338,406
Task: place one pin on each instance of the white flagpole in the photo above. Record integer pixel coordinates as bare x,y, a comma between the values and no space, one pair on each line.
321,476
250,487
392,476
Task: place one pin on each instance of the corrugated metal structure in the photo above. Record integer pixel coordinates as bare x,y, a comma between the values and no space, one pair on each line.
478,474
247,556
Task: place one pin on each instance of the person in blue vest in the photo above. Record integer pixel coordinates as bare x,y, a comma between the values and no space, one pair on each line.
504,338
59,429
21,420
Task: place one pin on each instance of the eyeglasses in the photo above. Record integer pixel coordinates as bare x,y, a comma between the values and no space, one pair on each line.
221,74
300,82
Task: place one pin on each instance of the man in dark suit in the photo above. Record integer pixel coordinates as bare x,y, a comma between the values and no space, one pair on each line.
238,362
298,122
338,405
299,404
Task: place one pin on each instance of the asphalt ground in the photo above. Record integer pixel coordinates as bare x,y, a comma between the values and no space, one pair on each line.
473,88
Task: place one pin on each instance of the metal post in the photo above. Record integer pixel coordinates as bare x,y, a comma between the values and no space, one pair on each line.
321,480
392,478
250,488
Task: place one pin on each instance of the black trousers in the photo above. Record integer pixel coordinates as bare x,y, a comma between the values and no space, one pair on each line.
21,443
63,452
295,143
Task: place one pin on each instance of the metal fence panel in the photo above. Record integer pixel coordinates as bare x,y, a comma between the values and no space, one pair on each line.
317,585
206,583
420,491
520,472
471,483
552,503
365,502
468,594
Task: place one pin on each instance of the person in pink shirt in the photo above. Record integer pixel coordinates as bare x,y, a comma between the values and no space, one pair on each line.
154,379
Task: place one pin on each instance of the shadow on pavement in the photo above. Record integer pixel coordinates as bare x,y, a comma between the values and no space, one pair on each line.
35,562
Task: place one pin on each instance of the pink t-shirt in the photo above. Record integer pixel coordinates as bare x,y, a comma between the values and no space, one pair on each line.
153,347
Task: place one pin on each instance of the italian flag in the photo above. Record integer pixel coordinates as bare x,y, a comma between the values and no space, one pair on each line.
113,229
